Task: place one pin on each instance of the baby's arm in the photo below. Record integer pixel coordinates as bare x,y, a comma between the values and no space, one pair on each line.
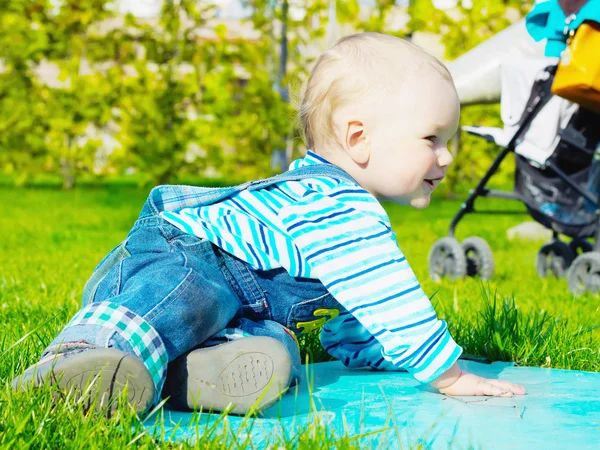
346,339
356,257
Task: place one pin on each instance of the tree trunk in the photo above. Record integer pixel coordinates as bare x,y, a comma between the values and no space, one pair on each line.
279,156
284,43
67,166
68,173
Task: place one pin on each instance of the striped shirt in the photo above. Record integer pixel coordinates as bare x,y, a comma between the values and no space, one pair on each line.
335,231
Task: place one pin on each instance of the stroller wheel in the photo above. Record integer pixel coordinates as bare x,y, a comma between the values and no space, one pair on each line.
480,258
447,259
579,246
584,274
554,258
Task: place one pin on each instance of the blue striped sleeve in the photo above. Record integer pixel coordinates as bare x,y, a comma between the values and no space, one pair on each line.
371,279
346,339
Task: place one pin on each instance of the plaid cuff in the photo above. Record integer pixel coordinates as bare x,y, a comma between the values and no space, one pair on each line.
145,341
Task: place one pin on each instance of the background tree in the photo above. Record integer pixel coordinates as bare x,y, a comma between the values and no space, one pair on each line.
179,96
459,34
23,42
47,126
197,102
288,28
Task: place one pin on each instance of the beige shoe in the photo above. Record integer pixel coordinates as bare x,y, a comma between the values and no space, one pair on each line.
101,372
247,374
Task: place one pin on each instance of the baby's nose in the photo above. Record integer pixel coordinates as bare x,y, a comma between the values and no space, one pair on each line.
444,157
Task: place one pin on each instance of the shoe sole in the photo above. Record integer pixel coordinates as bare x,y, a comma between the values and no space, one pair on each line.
248,374
100,375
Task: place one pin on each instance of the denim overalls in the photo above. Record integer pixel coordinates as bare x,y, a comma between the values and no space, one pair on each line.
188,289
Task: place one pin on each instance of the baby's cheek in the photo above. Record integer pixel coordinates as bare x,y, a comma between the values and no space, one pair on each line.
417,180
412,183
429,161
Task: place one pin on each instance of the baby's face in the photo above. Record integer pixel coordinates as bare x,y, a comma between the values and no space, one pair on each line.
409,153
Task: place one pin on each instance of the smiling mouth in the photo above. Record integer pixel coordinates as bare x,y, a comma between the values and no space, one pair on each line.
430,182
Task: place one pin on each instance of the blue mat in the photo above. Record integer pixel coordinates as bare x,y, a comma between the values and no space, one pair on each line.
561,410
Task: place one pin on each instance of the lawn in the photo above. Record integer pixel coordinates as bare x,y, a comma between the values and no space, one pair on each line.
50,241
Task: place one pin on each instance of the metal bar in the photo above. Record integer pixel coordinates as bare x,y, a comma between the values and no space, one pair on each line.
467,206
597,233
497,211
563,176
493,193
531,112
566,137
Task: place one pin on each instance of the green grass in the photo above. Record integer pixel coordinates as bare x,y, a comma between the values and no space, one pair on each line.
50,241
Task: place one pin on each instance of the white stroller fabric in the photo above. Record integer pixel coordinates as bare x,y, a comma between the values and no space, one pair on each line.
542,137
476,73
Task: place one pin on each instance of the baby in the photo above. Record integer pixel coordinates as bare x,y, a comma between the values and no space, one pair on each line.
202,301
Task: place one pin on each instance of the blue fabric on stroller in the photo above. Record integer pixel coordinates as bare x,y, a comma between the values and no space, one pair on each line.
548,21
549,198
555,182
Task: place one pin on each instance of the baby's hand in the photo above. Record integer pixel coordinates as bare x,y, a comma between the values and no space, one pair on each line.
457,382
471,384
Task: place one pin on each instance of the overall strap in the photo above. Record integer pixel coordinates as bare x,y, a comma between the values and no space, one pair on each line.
311,171
169,198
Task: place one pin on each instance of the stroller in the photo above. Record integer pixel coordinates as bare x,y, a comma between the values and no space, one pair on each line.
557,178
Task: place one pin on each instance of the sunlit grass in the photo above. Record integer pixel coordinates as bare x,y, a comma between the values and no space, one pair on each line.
50,241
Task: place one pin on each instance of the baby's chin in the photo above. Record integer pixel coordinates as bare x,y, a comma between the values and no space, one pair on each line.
420,202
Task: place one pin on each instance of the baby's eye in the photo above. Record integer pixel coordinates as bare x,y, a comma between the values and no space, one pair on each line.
432,139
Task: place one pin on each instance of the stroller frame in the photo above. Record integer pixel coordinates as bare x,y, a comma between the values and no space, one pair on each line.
578,261
481,191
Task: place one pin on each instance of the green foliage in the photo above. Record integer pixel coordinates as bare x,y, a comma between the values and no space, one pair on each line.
46,127
22,41
475,155
282,32
199,103
176,104
376,21
461,32
159,102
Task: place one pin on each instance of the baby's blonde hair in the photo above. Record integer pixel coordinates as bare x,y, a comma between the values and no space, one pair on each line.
354,67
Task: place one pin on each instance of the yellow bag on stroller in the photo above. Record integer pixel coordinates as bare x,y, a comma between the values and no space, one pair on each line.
578,74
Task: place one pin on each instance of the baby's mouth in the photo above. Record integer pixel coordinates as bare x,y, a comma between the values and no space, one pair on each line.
431,182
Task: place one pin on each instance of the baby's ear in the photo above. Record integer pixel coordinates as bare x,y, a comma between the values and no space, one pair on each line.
357,144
